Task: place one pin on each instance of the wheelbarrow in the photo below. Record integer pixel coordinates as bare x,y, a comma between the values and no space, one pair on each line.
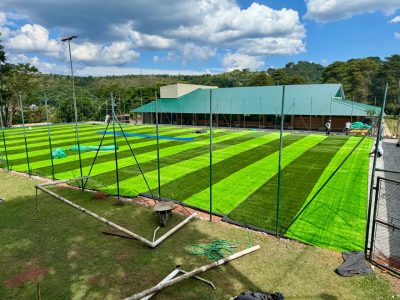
164,211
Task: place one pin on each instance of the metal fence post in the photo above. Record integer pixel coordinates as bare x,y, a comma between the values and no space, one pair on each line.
158,149
24,129
4,140
49,134
278,197
211,157
115,142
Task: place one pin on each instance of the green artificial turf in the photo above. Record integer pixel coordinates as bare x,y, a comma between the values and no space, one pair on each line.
67,140
336,218
234,189
298,179
69,163
244,168
125,158
185,167
170,156
183,187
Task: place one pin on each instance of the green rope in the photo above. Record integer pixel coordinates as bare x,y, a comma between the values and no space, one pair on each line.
217,248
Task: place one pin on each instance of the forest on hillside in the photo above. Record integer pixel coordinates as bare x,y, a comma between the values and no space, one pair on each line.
363,81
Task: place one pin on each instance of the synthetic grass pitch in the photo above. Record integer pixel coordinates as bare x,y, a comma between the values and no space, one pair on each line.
244,174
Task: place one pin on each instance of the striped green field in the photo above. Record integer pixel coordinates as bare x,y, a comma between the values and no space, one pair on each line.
244,174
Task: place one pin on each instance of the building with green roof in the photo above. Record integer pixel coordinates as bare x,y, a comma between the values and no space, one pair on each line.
307,106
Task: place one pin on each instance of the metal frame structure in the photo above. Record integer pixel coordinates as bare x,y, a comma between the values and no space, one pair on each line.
378,221
114,119
372,183
152,244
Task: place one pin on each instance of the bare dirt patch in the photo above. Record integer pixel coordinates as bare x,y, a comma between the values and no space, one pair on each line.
33,273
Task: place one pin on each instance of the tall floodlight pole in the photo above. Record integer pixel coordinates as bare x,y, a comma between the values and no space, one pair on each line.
74,103
278,196
49,134
25,141
158,150
211,157
4,139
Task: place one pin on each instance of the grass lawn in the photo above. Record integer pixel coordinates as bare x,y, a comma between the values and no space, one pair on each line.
65,251
244,172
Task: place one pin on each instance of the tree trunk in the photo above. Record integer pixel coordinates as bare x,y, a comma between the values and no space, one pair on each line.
11,112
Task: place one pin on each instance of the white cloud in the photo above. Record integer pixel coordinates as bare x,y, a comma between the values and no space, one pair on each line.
191,51
85,52
4,33
3,19
117,53
112,70
171,56
268,46
395,20
44,67
148,41
234,61
183,30
324,62
32,38
330,10
397,35
225,24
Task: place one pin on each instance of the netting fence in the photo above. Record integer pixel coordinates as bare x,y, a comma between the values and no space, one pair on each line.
272,172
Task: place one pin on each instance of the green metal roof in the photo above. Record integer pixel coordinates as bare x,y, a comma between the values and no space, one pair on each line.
309,99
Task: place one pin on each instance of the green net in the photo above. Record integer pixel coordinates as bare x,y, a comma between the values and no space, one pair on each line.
59,153
360,125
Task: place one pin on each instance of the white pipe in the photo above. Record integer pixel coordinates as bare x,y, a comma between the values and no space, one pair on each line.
166,279
202,279
177,227
115,226
205,268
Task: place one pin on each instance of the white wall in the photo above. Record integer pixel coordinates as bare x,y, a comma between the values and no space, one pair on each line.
179,89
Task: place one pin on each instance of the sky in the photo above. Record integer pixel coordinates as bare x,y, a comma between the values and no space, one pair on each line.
194,36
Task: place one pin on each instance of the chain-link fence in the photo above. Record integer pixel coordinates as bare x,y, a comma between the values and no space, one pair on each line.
385,242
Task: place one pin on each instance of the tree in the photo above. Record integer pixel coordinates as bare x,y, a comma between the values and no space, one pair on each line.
390,73
262,79
356,75
18,80
2,54
309,72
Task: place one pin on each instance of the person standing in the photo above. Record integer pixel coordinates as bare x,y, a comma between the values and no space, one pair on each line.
328,126
347,128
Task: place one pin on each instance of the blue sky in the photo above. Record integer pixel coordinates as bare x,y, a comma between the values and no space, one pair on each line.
195,36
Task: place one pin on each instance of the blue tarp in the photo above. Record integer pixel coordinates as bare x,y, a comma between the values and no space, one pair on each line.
148,136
